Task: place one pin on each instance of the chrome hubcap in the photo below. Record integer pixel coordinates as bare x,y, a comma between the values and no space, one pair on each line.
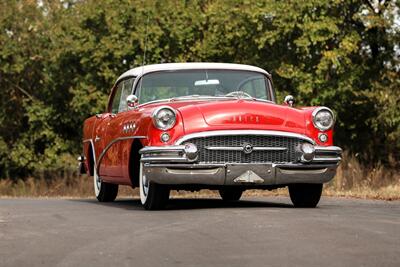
98,181
145,185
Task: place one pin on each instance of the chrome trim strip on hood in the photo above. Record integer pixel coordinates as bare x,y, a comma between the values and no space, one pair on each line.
241,148
243,132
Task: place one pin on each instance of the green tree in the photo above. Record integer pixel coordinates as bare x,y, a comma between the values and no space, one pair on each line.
59,59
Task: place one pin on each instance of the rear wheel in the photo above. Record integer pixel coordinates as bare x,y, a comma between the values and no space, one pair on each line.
153,196
305,195
105,192
230,194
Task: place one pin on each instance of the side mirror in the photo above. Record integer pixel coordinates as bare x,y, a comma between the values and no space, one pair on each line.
132,101
289,100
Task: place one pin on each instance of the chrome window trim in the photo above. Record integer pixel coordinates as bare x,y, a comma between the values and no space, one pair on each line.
243,132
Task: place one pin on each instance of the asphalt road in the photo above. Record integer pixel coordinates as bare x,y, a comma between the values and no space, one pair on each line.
199,232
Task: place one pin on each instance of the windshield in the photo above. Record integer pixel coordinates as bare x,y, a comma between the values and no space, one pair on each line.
198,83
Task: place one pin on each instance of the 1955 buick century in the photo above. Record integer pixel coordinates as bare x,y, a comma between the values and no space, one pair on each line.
192,126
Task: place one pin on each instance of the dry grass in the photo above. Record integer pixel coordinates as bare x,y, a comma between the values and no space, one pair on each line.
355,180
352,180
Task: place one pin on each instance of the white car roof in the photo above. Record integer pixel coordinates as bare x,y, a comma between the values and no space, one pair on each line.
139,71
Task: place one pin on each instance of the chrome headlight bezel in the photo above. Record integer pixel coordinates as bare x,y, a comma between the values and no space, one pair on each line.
317,124
156,118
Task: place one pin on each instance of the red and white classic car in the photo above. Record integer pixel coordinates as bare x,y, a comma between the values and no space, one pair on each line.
192,126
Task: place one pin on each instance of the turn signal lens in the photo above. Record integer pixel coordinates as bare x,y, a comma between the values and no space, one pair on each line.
323,137
164,137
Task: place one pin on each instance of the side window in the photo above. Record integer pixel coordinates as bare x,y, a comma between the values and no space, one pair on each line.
124,88
117,98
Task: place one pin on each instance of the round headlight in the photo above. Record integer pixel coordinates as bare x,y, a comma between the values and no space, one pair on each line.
164,118
323,118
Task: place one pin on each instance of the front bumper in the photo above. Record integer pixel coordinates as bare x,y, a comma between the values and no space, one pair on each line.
176,165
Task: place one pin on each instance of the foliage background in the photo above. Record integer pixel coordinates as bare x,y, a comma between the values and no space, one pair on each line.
59,59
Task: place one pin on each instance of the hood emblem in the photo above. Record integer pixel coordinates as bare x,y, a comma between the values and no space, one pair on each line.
247,148
245,119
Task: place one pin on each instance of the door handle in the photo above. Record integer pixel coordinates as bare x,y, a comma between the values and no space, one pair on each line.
97,139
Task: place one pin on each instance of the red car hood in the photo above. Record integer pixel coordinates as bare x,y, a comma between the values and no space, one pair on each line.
239,114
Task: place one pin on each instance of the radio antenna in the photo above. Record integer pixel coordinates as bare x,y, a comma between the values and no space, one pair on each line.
144,53
145,41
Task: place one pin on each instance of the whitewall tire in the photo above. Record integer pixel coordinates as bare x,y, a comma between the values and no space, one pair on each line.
231,194
96,182
105,192
305,195
153,196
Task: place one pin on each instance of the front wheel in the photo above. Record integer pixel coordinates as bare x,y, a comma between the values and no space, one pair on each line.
153,196
305,195
105,192
230,194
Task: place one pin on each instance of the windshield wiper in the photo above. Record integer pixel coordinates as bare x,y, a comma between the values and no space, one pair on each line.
191,96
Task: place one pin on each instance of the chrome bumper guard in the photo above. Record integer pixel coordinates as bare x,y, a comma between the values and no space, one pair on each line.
180,153
176,165
81,165
326,154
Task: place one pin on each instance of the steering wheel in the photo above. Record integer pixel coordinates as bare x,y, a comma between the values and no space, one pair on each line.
239,94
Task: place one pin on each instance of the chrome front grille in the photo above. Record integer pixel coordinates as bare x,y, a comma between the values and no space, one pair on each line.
238,141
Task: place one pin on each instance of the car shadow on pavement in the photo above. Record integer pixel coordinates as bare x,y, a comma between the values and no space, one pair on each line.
190,203
201,203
